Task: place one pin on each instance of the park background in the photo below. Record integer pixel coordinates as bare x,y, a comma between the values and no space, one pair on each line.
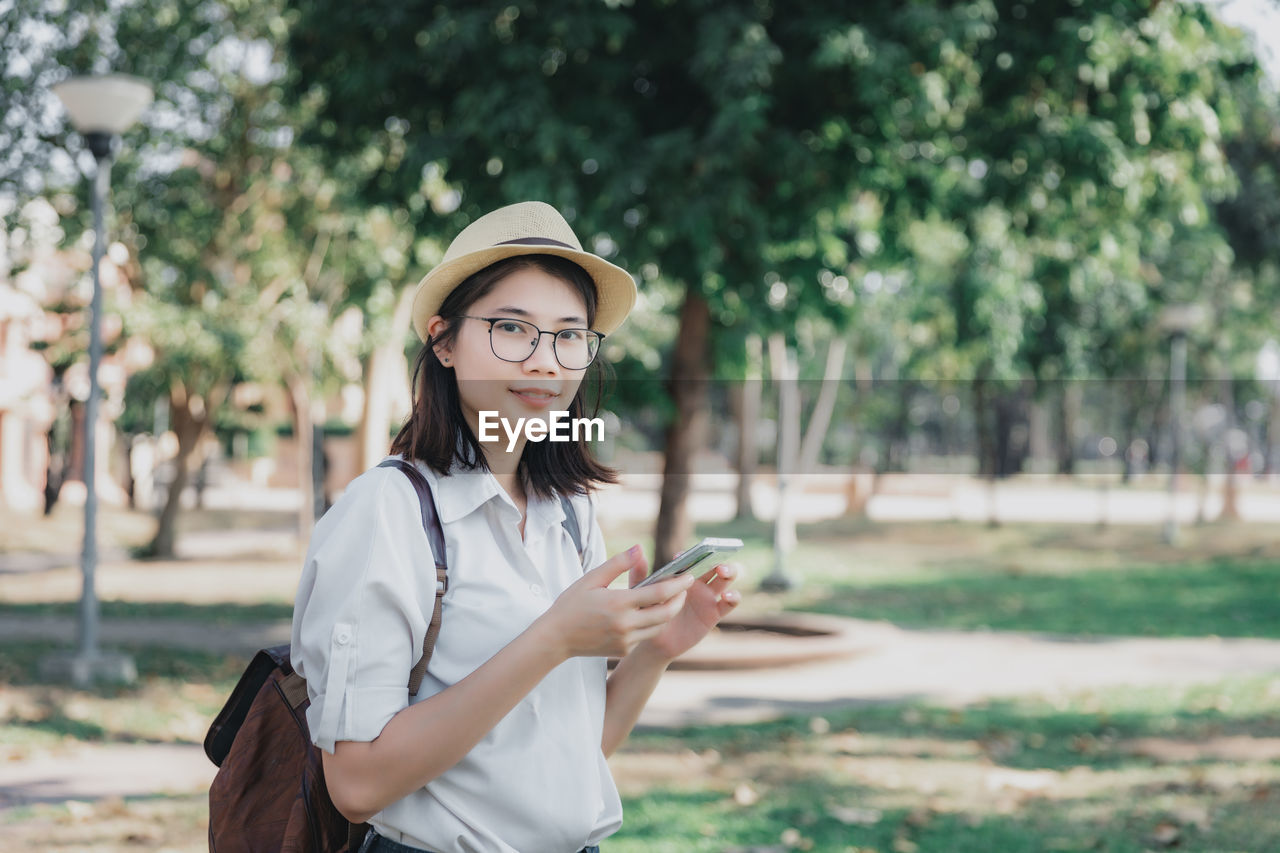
964,315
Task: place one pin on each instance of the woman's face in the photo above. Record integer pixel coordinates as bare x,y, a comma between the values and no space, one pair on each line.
534,387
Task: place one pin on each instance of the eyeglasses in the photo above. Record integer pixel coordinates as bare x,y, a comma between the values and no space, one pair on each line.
515,340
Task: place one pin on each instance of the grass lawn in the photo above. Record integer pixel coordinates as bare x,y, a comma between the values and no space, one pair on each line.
182,611
1062,580
177,694
1057,579
1191,769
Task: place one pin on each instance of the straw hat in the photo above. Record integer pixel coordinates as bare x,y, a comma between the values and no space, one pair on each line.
526,228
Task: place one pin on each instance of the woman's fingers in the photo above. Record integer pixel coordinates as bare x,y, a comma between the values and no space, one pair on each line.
656,593
720,577
643,636
658,614
731,599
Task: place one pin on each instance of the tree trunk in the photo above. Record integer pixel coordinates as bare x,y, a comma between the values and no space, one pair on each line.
898,445
189,420
1271,460
1010,448
785,376
820,422
984,422
201,477
74,469
744,398
303,435
57,470
1130,411
126,459
1068,413
688,388
1001,435
1231,488
1039,442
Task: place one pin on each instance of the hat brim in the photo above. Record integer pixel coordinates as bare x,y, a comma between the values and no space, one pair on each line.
615,287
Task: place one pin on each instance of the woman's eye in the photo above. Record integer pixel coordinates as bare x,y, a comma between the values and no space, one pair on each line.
510,328
570,335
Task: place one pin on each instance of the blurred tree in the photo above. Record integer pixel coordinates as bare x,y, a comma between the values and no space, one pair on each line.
246,259
1250,219
1058,196
1031,183
708,142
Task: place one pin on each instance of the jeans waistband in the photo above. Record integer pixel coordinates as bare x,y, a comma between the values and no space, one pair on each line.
375,843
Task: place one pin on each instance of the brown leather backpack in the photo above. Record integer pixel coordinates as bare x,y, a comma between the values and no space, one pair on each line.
269,795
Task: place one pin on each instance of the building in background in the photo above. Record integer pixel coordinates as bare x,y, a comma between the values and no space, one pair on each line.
26,402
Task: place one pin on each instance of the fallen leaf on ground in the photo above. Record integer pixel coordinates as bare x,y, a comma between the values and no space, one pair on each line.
855,816
1166,834
920,817
79,810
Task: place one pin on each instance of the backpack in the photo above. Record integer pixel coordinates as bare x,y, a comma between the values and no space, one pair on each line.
269,793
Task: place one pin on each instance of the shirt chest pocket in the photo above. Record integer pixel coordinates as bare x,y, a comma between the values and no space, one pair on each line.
498,586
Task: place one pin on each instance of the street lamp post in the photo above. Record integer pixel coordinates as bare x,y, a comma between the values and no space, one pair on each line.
100,108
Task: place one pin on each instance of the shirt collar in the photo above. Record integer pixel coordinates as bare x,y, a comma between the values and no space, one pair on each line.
466,490
543,514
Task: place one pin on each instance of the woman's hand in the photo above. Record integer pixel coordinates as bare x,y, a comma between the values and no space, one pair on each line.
590,620
705,604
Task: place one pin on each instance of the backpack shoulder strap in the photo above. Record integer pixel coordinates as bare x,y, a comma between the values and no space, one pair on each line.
435,536
572,525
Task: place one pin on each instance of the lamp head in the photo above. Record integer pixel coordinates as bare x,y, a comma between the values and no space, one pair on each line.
105,104
1179,319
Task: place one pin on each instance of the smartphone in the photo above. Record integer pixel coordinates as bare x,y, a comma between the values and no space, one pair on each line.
698,555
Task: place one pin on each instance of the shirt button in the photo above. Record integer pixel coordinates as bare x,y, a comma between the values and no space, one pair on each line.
344,637
535,589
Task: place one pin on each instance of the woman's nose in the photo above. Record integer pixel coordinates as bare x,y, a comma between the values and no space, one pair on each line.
543,357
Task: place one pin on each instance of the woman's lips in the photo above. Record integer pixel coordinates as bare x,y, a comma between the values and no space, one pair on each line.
535,399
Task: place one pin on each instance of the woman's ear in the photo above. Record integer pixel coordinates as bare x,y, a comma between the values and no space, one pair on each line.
435,326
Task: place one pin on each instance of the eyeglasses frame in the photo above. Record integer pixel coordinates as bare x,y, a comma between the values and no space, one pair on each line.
554,352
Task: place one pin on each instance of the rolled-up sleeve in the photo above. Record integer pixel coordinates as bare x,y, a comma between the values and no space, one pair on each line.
358,621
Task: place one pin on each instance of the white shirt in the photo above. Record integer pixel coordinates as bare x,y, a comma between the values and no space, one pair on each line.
538,781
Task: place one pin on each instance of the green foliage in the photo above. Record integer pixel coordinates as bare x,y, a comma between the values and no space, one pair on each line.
683,139
246,250
972,190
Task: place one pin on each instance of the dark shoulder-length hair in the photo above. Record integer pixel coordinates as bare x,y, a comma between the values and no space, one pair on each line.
437,432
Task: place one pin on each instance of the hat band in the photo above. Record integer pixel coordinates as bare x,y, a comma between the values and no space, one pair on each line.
537,241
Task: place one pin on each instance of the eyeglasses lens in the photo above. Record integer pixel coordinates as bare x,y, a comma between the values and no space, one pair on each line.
514,340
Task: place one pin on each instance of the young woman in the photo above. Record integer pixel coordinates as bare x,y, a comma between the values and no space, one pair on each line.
503,748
